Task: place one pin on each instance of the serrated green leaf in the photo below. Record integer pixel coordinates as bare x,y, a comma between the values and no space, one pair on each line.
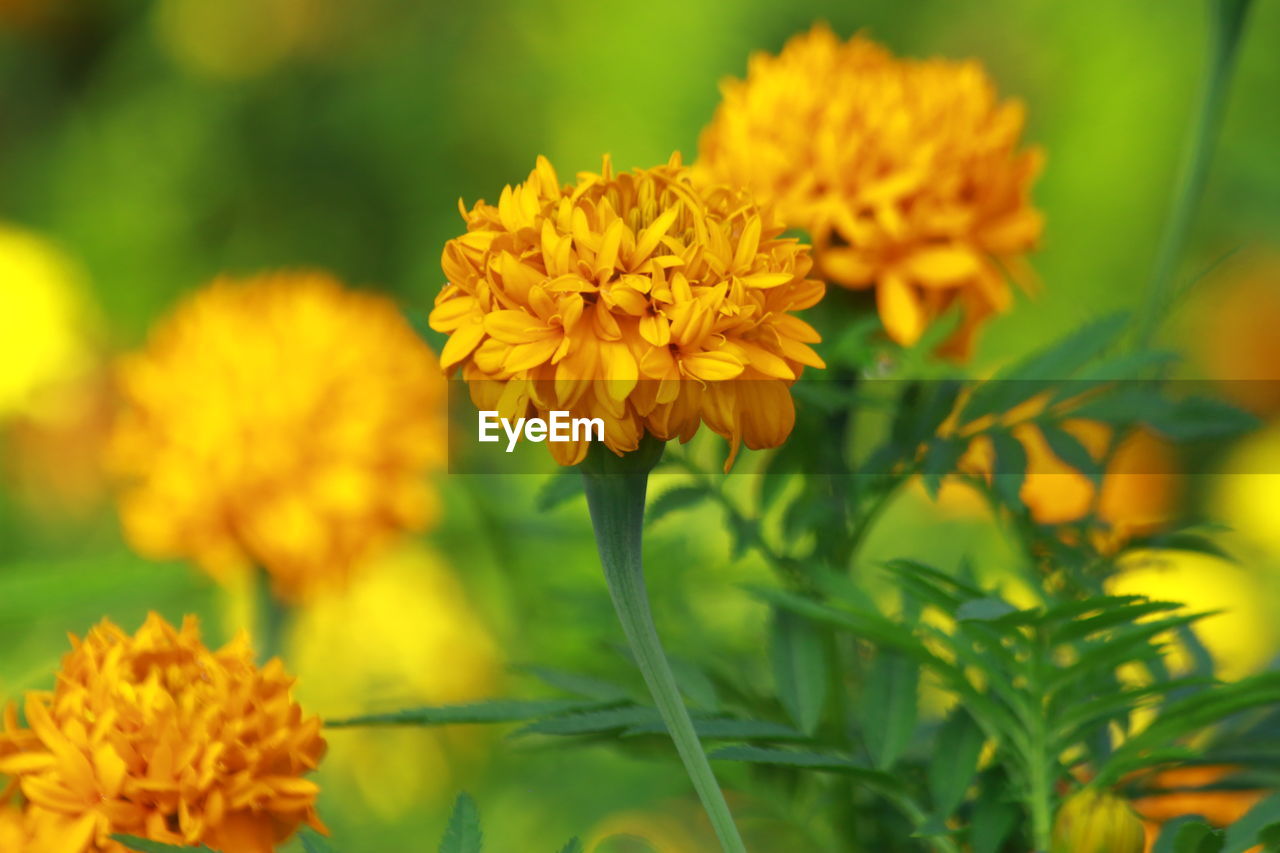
726,728
1010,467
573,846
811,761
593,722
143,845
561,487
955,761
673,499
799,657
497,711
1042,370
986,609
463,834
940,459
587,686
889,706
1188,835
1068,448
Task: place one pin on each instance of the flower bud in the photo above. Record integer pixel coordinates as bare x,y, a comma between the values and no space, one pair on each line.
1097,822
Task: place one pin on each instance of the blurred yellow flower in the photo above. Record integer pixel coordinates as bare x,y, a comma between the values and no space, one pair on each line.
1249,488
1097,822
156,735
907,174
1242,638
404,634
283,422
15,835
639,298
44,321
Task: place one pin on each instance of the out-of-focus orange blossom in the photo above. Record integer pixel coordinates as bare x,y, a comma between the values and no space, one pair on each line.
284,422
1234,332
403,634
1179,794
1141,486
907,174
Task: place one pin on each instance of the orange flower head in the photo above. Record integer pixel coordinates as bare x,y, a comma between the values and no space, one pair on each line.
283,421
907,174
157,736
641,298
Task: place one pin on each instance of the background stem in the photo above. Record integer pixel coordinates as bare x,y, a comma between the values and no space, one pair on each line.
615,488
1227,18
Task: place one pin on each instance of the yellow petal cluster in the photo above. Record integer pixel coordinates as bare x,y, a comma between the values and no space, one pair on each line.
641,298
158,736
282,421
907,174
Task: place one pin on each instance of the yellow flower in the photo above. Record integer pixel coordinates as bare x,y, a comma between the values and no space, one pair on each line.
639,298
906,173
44,322
156,735
15,831
1097,822
403,634
283,422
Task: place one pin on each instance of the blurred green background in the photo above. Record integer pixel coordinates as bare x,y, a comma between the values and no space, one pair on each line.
160,143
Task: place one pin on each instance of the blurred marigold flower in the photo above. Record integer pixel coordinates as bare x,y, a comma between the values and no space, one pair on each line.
906,173
44,323
1140,486
639,298
283,421
1234,334
158,736
1097,822
403,634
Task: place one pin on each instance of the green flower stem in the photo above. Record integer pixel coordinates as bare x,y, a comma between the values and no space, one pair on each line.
1227,19
615,488
273,619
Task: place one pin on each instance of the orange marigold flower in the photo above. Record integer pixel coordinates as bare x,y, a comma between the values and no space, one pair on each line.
1182,791
155,735
640,298
906,173
283,421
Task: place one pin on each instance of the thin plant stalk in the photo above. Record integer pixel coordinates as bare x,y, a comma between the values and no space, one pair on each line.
273,618
615,488
1227,21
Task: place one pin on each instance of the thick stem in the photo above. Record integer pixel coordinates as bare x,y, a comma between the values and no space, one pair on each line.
615,488
1227,18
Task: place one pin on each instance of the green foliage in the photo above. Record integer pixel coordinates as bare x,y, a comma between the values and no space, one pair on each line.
463,834
313,842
